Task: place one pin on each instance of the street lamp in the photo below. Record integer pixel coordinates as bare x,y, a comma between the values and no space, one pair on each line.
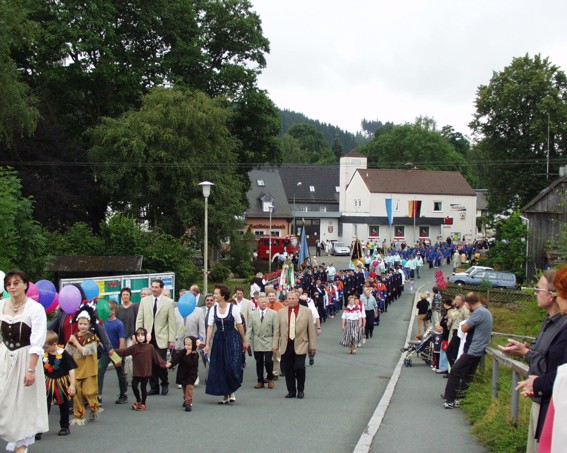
206,186
294,226
271,208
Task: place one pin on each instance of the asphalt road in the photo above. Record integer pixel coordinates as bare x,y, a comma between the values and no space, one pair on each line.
341,396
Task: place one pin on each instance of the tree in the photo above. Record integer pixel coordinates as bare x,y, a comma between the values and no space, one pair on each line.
513,114
419,144
18,116
22,240
291,151
149,162
313,146
509,253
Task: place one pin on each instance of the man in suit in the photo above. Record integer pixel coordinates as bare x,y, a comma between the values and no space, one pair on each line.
294,336
260,334
157,316
194,289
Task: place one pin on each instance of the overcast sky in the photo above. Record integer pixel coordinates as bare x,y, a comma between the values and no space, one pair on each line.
339,61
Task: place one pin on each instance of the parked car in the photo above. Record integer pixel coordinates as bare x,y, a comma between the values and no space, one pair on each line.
472,270
496,279
340,248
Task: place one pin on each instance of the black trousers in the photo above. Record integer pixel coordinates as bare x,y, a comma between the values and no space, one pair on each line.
369,327
63,412
158,373
461,375
293,366
264,359
143,383
453,348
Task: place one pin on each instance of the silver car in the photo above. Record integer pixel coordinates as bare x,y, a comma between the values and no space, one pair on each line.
340,248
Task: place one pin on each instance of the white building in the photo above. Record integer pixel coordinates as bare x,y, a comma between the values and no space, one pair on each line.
444,204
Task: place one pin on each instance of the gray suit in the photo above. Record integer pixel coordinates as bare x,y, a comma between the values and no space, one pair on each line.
194,325
260,335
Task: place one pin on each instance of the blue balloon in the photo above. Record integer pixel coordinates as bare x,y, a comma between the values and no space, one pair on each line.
187,304
47,292
90,289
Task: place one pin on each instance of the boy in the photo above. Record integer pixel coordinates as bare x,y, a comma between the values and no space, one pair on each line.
117,336
59,368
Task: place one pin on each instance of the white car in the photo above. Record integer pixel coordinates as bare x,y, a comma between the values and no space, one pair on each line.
471,270
340,248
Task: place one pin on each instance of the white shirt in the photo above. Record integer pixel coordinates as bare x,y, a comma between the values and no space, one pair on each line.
235,314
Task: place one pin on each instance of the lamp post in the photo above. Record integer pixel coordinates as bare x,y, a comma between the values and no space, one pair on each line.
206,186
294,226
271,208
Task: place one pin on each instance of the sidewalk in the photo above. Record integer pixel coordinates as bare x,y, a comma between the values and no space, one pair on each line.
411,416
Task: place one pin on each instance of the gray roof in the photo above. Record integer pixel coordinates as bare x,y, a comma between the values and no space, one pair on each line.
273,187
323,178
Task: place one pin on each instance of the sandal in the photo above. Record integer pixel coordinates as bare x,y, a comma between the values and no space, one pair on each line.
232,400
223,401
136,406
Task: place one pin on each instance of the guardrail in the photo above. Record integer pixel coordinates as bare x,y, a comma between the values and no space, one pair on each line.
518,369
490,295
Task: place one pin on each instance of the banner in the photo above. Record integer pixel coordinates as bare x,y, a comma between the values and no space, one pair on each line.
356,256
414,209
303,249
389,211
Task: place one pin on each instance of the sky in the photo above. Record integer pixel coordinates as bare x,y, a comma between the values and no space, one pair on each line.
339,61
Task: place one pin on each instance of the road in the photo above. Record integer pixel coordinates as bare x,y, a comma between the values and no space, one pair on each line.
341,395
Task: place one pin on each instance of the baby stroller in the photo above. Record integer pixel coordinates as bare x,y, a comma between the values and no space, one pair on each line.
423,349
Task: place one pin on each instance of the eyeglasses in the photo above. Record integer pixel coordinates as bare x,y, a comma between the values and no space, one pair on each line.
537,290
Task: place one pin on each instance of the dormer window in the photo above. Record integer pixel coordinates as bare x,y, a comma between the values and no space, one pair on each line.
311,188
260,182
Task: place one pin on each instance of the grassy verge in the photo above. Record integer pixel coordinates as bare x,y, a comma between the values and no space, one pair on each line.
490,418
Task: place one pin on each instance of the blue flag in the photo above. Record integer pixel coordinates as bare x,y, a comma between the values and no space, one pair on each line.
303,248
389,211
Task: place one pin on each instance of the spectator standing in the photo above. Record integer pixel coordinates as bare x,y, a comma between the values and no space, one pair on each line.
127,313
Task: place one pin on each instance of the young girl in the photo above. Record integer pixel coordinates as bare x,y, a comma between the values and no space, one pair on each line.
59,368
352,324
143,355
188,371
83,348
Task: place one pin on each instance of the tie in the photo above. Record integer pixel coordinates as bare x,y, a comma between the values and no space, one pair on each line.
292,325
262,316
155,306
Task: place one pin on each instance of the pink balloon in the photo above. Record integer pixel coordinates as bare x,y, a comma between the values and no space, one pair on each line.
33,292
53,305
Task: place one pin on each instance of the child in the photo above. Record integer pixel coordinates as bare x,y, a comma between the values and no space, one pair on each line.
143,355
59,368
188,370
436,339
352,323
83,348
117,336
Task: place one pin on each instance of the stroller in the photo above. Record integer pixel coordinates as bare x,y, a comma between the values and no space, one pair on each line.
423,349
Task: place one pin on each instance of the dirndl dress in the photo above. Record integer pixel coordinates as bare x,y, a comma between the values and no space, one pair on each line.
225,368
351,335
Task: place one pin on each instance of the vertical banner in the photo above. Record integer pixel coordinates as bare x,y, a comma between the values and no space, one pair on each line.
414,208
303,248
389,211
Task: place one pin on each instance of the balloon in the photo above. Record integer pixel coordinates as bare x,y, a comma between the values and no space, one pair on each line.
53,305
47,292
91,289
187,304
2,276
6,294
103,309
69,299
33,292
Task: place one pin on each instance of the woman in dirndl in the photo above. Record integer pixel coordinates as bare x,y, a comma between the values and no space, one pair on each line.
352,324
23,405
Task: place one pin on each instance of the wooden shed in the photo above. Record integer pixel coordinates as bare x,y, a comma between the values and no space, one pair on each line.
547,216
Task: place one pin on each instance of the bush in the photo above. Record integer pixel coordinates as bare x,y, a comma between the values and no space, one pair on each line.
244,269
219,273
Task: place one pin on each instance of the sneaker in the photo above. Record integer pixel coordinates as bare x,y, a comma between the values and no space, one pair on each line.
196,382
364,341
188,408
93,416
99,400
451,404
122,399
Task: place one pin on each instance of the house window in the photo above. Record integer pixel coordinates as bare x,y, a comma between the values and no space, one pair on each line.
303,208
399,231
323,209
266,206
423,231
311,188
357,203
260,182
373,231
397,205
437,206
259,233
337,189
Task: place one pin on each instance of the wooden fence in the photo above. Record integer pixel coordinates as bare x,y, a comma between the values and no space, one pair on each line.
491,295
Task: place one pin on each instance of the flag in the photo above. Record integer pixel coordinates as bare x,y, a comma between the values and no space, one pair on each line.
389,211
414,209
356,255
303,248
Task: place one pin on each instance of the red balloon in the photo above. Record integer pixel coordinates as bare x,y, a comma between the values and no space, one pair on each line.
33,292
53,305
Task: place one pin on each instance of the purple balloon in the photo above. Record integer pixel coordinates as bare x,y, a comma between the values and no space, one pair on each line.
33,292
69,299
53,305
47,292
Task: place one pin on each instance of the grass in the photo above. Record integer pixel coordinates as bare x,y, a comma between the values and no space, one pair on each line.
490,418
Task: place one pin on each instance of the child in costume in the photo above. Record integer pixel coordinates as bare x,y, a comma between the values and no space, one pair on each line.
188,370
143,355
59,368
83,348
